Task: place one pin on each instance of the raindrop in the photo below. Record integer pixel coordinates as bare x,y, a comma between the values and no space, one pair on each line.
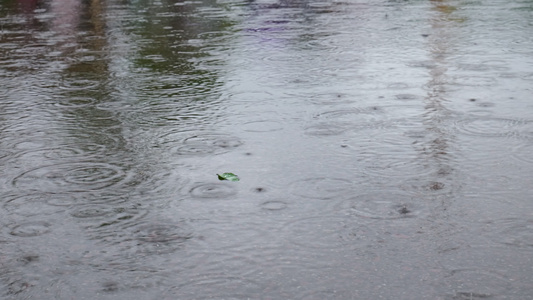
330,99
485,104
420,185
435,186
259,190
30,258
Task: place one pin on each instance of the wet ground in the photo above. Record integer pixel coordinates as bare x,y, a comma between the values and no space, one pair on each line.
385,149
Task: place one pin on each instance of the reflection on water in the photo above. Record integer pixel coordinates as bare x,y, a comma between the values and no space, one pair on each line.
384,149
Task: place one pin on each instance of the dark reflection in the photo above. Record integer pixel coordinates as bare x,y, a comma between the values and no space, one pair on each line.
171,40
438,144
28,7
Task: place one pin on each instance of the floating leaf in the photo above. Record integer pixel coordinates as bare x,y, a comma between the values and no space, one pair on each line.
228,176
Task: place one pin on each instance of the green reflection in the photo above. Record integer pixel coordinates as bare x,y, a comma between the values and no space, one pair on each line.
170,37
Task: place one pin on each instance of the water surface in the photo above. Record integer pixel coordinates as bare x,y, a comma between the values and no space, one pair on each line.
384,149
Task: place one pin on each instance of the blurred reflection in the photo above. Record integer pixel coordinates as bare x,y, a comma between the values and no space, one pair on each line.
173,68
440,42
438,146
27,6
66,16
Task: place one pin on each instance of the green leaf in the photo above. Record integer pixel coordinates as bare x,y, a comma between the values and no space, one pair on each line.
228,176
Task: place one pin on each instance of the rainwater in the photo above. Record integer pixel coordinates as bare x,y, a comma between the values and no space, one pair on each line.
384,149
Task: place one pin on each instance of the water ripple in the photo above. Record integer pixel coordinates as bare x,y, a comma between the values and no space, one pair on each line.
329,232
273,205
74,102
112,218
323,188
170,114
405,97
330,295
384,205
511,232
523,153
332,98
470,284
199,143
386,153
216,286
50,143
477,81
164,233
31,229
443,184
54,153
491,127
80,84
79,198
212,190
262,126
358,117
70,177
327,129
30,205
91,211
